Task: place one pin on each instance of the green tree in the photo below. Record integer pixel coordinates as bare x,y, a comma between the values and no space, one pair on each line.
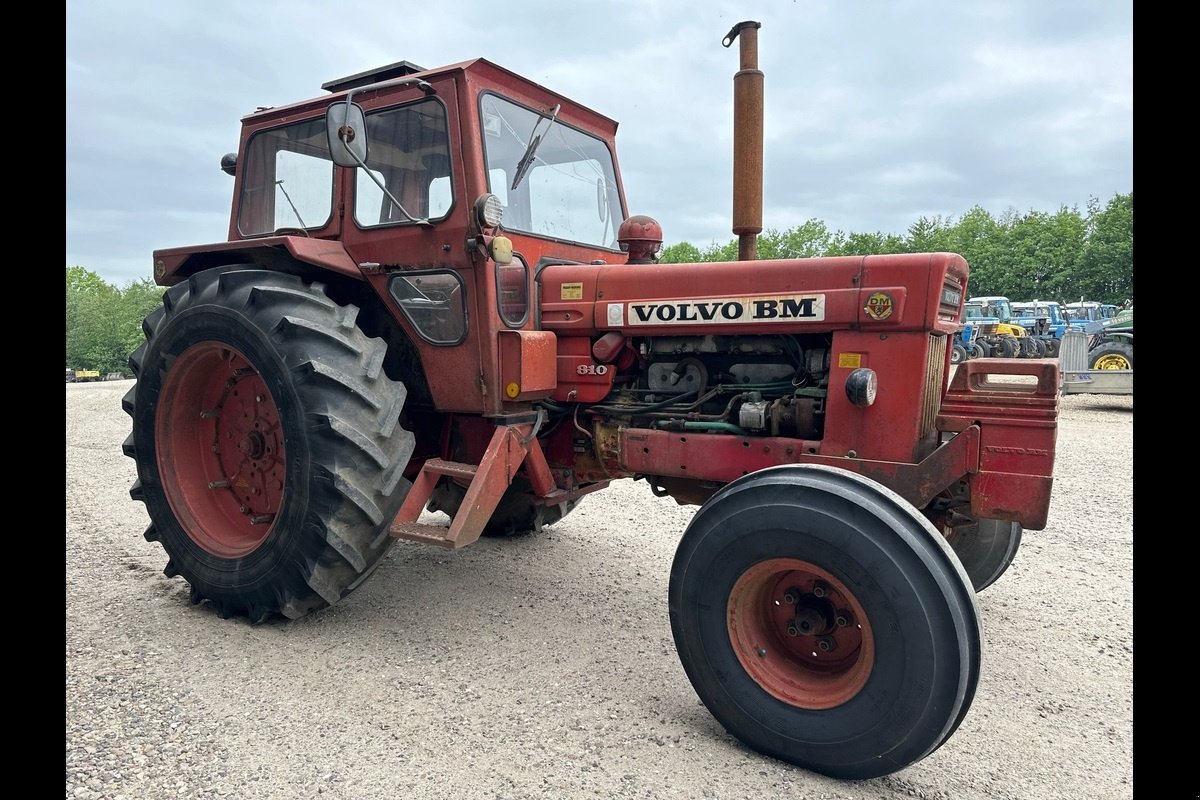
1024,256
104,323
681,253
1105,270
806,240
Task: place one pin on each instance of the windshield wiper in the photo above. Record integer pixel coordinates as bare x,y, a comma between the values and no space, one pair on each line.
535,139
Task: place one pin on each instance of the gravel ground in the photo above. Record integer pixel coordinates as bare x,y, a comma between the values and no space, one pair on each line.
544,667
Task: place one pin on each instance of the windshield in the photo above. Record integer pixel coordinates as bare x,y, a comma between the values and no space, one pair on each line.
568,190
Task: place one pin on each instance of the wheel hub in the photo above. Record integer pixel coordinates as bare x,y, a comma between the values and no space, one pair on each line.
221,454
799,633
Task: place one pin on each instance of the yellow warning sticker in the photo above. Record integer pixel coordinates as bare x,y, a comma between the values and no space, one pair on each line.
572,291
850,360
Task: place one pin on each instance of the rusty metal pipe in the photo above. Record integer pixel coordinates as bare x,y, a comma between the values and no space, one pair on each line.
747,140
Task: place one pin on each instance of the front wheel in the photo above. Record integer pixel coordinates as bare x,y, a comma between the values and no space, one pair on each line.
958,354
267,440
985,548
1112,355
824,621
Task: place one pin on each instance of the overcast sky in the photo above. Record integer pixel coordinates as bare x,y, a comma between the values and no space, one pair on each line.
877,112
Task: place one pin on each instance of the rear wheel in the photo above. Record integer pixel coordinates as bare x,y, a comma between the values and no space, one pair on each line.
1112,355
516,514
985,549
824,621
267,440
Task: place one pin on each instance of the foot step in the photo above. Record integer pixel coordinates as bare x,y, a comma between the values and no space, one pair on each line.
422,532
453,469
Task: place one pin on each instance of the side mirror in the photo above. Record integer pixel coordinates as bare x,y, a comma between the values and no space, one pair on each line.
346,127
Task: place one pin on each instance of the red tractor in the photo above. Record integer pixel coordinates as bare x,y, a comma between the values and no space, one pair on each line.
433,296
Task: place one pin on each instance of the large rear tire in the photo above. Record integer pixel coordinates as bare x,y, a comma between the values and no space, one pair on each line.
985,549
824,621
267,439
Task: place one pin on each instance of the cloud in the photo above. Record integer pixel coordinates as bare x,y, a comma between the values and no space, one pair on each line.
875,113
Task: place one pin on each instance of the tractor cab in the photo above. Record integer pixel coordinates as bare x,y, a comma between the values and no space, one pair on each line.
444,190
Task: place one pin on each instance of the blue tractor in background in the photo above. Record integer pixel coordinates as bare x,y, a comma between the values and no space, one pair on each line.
995,330
1043,320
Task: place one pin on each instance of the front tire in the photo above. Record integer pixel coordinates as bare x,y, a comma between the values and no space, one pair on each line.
985,548
267,440
824,621
1113,355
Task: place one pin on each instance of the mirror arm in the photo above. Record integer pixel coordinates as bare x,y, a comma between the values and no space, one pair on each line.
428,89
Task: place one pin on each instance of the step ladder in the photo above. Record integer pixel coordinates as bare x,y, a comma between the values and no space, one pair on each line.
511,446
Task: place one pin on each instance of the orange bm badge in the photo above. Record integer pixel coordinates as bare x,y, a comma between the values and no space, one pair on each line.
879,306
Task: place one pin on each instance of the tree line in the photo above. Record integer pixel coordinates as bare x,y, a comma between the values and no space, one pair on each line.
104,322
1066,256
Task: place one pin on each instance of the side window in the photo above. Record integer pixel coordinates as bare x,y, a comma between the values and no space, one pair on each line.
302,197
434,302
287,180
410,155
512,292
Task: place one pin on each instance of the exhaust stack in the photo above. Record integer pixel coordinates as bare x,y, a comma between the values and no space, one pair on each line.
747,140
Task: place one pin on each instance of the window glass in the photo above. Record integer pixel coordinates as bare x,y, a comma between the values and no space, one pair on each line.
287,180
435,304
409,153
568,190
512,291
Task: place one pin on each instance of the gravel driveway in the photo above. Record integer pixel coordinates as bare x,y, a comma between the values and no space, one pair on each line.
544,667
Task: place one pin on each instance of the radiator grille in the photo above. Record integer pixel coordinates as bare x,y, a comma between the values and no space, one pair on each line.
935,369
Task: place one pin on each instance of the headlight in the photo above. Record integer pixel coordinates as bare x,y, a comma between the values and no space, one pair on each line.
861,387
488,210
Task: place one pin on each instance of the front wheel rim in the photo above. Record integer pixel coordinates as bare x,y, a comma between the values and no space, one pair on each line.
800,634
1112,361
221,453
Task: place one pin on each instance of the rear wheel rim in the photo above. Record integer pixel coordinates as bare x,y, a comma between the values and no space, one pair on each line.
800,634
221,452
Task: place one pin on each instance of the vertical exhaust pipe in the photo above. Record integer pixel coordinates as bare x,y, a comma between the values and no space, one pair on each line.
747,140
